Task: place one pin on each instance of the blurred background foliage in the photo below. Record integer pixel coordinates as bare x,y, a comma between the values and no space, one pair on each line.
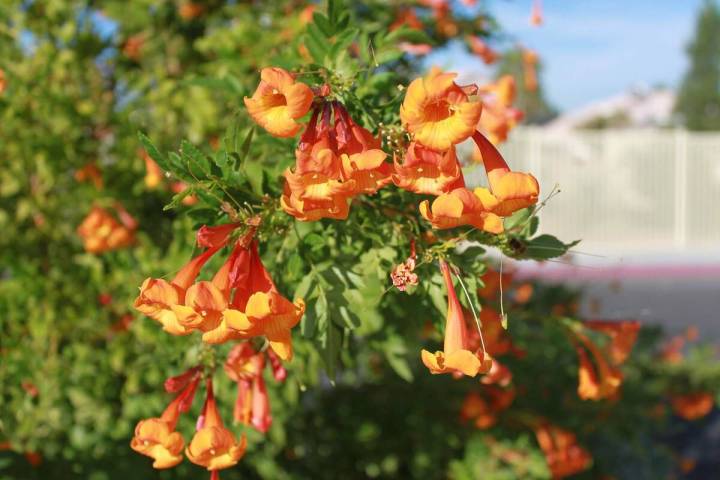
78,367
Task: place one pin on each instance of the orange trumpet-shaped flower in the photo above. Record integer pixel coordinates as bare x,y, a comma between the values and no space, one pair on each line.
482,50
694,405
278,102
455,356
90,173
563,454
102,232
427,171
317,186
335,207
536,15
437,112
259,309
157,438
214,446
483,408
597,378
367,170
623,335
158,297
252,407
463,207
513,190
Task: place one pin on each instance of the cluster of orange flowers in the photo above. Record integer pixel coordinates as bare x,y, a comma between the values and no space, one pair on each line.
103,230
240,302
337,159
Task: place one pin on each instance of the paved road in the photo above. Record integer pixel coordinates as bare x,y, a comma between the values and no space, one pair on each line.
671,290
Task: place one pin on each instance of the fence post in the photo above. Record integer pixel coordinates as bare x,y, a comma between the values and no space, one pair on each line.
681,169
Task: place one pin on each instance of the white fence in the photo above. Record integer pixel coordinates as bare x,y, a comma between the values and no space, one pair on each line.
626,190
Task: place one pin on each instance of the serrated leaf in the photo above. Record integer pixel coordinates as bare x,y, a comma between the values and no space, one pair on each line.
154,153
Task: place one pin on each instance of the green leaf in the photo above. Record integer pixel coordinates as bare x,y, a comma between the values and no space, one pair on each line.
196,161
518,219
151,150
323,24
546,246
178,198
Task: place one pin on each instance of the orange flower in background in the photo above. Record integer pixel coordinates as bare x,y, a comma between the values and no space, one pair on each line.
483,407
598,379
536,15
101,231
563,454
481,49
497,339
190,10
523,293
157,438
499,374
491,284
90,173
530,61
278,102
672,350
455,357
408,18
426,171
133,46
692,406
437,112
177,187
214,446
153,172
463,207
3,81
306,14
499,117
623,335
513,190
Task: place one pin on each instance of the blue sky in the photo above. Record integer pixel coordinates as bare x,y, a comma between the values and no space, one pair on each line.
593,49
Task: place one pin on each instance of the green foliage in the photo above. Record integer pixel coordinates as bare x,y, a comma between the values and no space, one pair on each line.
699,97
